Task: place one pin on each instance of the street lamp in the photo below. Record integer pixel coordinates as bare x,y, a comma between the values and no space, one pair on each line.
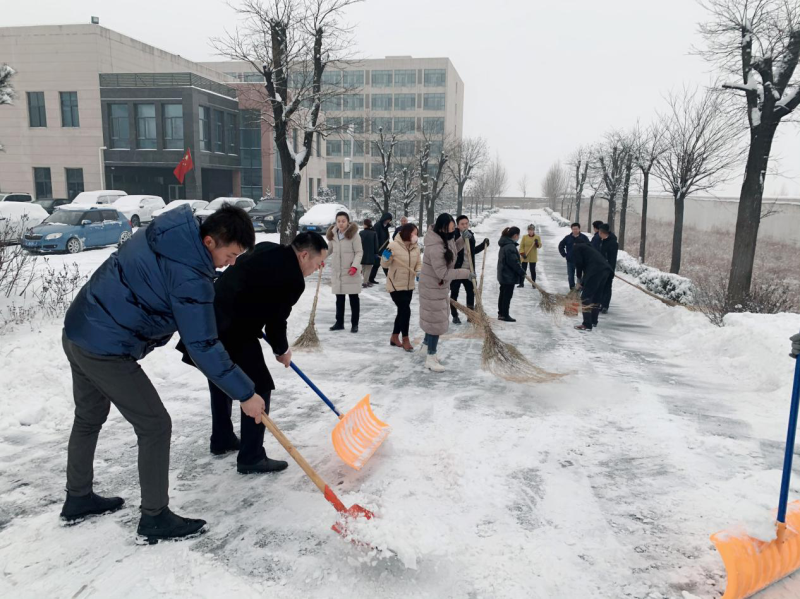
102,168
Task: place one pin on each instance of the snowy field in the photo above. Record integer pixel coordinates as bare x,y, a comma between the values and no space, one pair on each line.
605,484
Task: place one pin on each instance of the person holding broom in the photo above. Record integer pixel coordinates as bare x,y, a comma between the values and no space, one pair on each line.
509,271
462,223
346,252
609,247
403,260
596,271
254,298
529,252
442,243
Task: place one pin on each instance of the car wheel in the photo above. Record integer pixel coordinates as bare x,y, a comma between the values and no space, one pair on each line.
74,246
278,226
126,235
135,222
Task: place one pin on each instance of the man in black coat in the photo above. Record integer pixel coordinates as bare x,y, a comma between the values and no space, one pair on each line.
252,298
369,243
466,233
596,241
382,230
609,248
596,272
566,247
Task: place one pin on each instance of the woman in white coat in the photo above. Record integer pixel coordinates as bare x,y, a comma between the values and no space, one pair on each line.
345,254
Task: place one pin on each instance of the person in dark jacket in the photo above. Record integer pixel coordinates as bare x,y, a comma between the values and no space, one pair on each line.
369,241
257,294
565,248
596,272
403,222
462,225
382,231
609,249
158,283
509,271
596,237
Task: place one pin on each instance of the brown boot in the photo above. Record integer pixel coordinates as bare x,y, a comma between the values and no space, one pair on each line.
407,344
395,341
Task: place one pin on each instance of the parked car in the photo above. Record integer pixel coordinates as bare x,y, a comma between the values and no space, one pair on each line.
52,204
195,204
320,217
73,228
139,209
16,218
245,203
100,197
16,196
266,215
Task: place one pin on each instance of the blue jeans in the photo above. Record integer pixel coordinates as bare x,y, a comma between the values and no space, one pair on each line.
432,341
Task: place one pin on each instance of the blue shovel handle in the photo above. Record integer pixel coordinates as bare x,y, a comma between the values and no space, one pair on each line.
790,437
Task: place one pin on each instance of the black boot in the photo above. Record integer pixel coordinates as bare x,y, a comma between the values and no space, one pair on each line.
231,444
77,508
265,465
339,326
456,319
168,525
354,328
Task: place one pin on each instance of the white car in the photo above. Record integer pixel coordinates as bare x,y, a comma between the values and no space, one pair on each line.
320,217
18,217
139,209
100,197
194,204
245,203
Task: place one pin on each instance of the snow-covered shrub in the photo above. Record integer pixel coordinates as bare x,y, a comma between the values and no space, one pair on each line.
556,216
673,287
324,196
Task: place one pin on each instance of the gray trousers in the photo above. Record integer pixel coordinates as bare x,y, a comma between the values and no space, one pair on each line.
98,382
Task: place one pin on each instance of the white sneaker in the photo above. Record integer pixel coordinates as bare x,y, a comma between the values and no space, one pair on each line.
423,349
432,363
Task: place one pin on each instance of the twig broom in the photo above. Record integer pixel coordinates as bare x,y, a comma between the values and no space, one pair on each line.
308,339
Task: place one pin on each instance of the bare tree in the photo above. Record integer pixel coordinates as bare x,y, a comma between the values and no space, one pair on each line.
466,157
7,93
759,42
648,147
626,187
580,162
388,178
613,156
432,184
595,183
699,149
553,183
522,185
496,180
305,36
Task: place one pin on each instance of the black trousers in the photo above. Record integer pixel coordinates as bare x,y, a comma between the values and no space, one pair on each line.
402,299
607,293
249,357
525,266
468,287
592,298
504,301
355,309
374,272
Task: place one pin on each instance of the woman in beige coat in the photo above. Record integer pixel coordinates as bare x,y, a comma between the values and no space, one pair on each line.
441,249
345,254
403,260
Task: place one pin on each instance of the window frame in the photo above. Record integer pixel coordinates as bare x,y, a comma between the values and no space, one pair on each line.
41,110
48,190
79,186
168,127
145,120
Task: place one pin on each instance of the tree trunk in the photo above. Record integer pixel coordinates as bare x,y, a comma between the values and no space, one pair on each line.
578,210
749,215
460,201
291,195
624,212
591,207
643,234
612,210
677,234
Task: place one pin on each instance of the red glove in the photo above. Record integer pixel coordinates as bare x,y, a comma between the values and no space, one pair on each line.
353,270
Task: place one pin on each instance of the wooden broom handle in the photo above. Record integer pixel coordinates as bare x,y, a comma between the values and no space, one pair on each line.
316,297
287,445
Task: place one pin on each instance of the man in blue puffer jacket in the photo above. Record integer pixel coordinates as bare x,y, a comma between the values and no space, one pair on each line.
160,282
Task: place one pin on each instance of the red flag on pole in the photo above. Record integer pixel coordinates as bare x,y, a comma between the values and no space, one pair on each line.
184,166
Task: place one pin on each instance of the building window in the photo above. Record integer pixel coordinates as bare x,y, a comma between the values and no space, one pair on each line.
69,109
319,146
333,148
205,129
74,182
334,170
146,126
337,192
119,127
381,79
376,170
37,115
404,149
404,125
356,122
433,125
278,171
353,79
219,131
382,122
331,77
333,122
405,101
435,77
358,170
436,149
250,153
173,126
42,182
358,192
358,149
332,104
353,102
381,101
405,78
433,102
230,132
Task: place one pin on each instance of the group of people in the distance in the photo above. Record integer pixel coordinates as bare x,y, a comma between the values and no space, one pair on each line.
590,265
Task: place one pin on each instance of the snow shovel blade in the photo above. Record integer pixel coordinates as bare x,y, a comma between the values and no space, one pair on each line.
753,564
359,434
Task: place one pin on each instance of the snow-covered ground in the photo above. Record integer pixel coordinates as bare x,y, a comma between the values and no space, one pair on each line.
606,483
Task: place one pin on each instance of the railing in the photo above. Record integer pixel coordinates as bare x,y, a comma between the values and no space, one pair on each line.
165,80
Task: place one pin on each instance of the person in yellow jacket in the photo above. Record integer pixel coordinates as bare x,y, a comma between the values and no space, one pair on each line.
529,251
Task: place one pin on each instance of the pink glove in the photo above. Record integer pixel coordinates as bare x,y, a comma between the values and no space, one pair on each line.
353,271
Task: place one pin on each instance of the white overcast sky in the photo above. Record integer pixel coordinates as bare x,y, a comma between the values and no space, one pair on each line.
541,77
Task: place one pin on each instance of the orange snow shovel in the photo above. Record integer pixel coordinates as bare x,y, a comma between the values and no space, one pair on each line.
753,564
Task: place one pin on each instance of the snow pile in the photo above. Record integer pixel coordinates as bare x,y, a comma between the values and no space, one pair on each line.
556,216
322,214
674,287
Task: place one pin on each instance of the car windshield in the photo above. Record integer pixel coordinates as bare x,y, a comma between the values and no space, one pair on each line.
65,217
218,203
125,201
269,205
44,202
